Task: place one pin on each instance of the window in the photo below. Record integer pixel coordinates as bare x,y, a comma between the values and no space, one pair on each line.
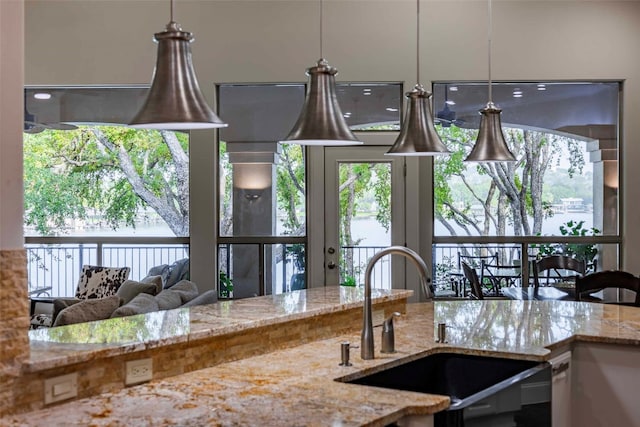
262,184
87,175
565,180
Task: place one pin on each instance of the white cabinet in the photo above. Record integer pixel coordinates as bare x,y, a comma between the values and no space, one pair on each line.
605,384
561,390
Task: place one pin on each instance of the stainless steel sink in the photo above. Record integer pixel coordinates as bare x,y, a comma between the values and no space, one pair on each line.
478,386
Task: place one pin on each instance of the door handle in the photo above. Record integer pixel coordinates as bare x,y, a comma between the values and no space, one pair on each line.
331,265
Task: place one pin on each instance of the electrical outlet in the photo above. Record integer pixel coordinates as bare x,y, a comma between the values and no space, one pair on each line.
138,371
60,388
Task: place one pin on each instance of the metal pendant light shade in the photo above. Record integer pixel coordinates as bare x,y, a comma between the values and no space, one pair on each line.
490,145
418,136
321,121
174,100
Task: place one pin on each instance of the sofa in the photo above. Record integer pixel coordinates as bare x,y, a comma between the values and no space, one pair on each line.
104,292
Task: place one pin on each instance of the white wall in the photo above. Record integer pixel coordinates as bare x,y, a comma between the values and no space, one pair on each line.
109,42
11,117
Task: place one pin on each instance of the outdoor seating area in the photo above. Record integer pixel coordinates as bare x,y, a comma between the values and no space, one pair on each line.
552,277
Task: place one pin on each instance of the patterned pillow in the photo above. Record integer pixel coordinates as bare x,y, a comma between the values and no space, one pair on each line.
100,282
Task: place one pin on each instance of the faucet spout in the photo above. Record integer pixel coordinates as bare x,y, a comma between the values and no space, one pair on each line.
366,344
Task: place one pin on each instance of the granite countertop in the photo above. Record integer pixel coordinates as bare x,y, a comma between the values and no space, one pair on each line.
58,347
297,386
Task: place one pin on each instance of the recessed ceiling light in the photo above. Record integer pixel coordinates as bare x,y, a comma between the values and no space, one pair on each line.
391,109
453,88
542,85
517,95
42,95
366,90
450,102
366,93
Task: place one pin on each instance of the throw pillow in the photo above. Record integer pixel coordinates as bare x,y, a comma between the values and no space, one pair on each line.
129,289
160,270
88,311
157,280
208,297
179,294
179,270
142,303
60,304
100,282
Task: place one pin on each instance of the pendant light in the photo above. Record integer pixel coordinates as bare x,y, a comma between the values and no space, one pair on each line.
490,145
174,100
321,121
418,136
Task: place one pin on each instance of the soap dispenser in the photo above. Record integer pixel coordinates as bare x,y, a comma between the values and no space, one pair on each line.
388,339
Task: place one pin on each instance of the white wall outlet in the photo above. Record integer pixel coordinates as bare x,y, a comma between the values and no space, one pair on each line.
138,371
60,388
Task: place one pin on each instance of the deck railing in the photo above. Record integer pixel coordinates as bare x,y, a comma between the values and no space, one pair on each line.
54,263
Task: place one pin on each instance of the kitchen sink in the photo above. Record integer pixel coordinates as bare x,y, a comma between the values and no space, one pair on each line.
478,386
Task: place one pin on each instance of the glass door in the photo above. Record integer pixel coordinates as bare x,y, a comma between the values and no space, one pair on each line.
364,213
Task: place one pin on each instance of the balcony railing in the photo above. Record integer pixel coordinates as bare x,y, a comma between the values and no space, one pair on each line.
54,263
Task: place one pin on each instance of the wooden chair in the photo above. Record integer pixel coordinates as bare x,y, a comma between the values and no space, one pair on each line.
555,263
471,275
600,280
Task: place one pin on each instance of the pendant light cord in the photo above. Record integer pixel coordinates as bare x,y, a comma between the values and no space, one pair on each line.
489,52
418,42
171,11
321,56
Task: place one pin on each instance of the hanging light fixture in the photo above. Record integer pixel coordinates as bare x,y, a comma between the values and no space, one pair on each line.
490,145
321,121
418,136
174,100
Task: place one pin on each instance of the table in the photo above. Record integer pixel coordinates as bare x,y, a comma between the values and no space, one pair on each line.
544,293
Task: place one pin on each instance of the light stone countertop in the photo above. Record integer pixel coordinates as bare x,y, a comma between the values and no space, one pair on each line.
58,347
297,386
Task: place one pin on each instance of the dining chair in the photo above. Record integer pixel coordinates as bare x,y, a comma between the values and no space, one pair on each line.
496,276
553,266
600,280
472,276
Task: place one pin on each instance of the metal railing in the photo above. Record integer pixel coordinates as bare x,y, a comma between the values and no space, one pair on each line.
54,263
446,251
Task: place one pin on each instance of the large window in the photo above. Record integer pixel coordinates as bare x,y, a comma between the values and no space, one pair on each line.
564,183
263,186
96,191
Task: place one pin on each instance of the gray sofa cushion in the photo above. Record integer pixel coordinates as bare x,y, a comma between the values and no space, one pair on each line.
130,288
60,304
208,297
179,270
179,294
156,280
88,310
160,270
141,303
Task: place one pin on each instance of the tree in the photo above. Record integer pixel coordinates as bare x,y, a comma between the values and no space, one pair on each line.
114,171
507,192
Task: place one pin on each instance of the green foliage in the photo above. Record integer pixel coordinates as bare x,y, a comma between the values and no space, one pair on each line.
290,186
225,285
349,281
76,174
585,252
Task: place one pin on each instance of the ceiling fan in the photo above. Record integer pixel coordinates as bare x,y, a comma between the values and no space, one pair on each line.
31,124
